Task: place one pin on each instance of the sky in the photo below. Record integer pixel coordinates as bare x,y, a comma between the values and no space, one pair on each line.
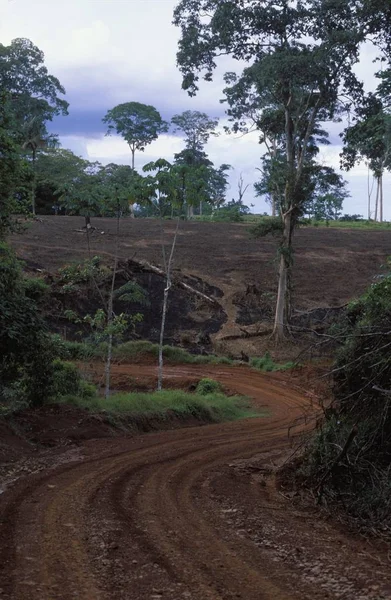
105,52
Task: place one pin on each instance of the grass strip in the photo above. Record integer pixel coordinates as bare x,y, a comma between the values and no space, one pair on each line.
212,407
137,349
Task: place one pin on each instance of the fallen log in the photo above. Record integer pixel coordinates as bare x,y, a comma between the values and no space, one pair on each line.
149,268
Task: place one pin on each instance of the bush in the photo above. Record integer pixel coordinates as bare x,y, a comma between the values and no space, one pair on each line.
230,214
208,386
267,226
67,381
362,382
266,363
351,218
36,288
73,275
26,349
133,350
69,350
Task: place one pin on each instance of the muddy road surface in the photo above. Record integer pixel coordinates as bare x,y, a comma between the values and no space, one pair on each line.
186,514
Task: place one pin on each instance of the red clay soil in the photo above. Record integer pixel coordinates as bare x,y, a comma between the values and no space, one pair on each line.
191,513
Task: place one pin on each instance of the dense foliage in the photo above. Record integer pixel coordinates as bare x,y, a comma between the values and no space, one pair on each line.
360,419
298,74
26,348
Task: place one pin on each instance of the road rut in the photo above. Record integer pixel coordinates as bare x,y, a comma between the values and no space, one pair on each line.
191,513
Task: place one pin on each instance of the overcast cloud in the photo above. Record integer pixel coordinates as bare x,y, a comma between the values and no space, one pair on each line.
110,51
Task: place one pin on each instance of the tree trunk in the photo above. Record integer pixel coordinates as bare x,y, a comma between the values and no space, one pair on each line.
381,197
279,319
131,204
110,315
164,309
108,366
161,339
283,295
190,211
377,197
33,185
273,205
201,208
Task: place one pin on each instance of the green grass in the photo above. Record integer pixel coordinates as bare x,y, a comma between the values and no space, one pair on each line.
267,365
363,224
212,407
356,224
136,349
171,353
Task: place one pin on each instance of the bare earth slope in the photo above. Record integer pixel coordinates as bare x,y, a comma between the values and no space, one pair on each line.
191,513
331,265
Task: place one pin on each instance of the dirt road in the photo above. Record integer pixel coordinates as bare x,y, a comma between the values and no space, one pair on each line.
192,513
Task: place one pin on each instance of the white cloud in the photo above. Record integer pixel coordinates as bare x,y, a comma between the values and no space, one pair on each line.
111,51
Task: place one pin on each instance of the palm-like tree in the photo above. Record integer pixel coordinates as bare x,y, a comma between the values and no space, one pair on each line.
36,137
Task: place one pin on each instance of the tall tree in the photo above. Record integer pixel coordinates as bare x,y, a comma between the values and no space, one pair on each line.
299,63
165,185
139,124
13,171
35,137
196,126
34,92
369,138
85,195
34,97
193,168
123,184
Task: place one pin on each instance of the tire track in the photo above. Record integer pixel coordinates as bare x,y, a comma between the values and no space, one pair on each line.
144,522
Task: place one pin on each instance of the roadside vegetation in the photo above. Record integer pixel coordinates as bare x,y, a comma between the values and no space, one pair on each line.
266,364
298,75
135,350
213,407
348,460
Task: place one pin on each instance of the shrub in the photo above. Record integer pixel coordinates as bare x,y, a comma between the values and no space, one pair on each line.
266,363
67,381
26,349
362,382
36,288
73,275
267,226
208,386
351,218
230,214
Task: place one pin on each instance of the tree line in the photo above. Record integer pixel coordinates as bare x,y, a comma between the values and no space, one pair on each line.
299,75
39,175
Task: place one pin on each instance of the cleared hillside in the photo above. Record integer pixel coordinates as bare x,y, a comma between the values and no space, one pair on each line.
331,265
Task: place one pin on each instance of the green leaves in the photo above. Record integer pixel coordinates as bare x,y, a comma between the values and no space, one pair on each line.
369,138
24,75
26,352
196,126
15,174
139,124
